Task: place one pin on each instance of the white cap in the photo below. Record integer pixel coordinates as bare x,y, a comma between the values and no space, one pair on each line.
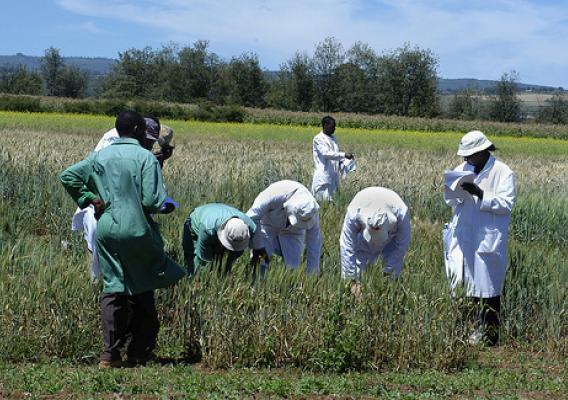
302,209
234,234
473,142
377,226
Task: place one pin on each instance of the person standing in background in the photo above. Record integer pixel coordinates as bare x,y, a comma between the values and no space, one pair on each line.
328,161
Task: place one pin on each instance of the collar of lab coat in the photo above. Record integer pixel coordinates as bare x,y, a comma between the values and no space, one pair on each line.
329,137
126,140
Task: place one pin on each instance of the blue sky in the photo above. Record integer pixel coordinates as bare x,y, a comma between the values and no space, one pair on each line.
476,38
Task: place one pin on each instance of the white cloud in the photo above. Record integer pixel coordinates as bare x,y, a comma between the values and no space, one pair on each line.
473,39
87,26
91,27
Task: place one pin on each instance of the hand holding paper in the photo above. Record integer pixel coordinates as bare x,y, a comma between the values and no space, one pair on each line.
453,181
347,166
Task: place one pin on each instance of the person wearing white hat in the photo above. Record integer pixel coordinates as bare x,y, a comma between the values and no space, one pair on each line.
377,223
211,231
287,217
475,240
84,219
329,162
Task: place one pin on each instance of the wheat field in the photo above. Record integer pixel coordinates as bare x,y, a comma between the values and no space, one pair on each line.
49,309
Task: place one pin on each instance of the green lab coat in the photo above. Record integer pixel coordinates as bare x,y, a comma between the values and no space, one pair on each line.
130,248
200,243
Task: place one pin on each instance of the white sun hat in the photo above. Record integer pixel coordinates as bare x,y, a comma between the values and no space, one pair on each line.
234,234
377,226
473,142
302,209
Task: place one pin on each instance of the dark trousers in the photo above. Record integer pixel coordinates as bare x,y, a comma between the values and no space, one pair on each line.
487,316
129,317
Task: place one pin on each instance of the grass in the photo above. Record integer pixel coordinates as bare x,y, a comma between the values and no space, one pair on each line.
49,308
498,375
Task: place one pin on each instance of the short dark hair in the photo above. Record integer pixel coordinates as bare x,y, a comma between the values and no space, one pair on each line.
127,121
326,121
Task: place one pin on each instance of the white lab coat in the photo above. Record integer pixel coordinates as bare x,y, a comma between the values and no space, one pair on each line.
84,219
108,138
475,240
327,158
356,252
269,212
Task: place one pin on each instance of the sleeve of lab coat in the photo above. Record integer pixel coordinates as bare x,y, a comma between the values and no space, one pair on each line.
349,268
453,202
74,180
153,192
313,251
502,199
395,251
327,151
261,205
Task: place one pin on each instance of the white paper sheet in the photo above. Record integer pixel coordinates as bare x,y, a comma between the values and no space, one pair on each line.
346,167
453,181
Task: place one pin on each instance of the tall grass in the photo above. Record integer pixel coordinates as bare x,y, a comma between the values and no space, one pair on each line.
48,308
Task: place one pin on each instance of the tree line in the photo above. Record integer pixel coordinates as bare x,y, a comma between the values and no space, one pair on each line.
400,82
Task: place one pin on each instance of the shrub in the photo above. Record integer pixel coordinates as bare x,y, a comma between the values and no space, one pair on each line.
20,103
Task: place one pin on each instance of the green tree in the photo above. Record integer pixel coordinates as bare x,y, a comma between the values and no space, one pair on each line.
367,60
293,88
407,82
350,89
247,83
193,74
61,79
555,111
72,82
505,105
21,81
140,73
465,104
52,66
328,56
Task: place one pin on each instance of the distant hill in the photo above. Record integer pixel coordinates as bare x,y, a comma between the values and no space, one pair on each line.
94,66
448,86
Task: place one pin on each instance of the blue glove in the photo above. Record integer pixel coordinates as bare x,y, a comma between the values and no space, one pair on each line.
168,206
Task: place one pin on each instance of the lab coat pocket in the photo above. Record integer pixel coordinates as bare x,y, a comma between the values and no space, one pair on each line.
490,242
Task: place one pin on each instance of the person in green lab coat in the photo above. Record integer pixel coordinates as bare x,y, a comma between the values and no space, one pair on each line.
212,230
124,183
